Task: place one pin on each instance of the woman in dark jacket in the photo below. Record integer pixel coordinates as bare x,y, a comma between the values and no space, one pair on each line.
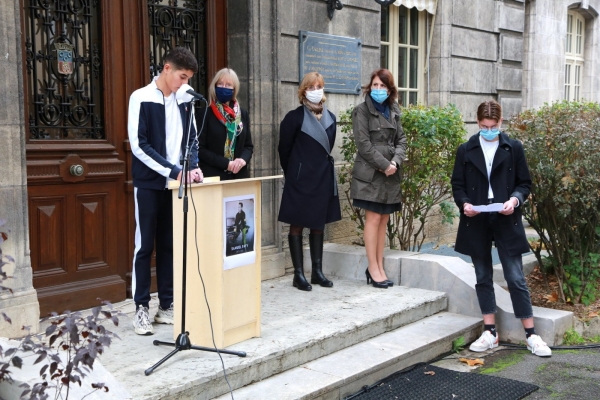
225,143
310,198
381,146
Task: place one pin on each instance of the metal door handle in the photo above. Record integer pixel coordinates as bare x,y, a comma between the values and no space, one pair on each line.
76,170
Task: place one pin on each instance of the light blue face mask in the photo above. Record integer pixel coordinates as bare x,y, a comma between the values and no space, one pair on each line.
489,134
379,95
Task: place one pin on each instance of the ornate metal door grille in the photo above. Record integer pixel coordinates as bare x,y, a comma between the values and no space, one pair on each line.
178,23
63,63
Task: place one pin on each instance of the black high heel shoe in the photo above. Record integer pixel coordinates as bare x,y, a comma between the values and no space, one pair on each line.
380,285
389,283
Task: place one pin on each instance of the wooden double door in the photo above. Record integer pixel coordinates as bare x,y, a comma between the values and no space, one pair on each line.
81,62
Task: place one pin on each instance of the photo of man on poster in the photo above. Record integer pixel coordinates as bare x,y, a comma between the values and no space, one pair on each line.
239,229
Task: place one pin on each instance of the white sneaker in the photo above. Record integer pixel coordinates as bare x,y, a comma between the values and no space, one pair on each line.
538,347
141,321
164,316
485,342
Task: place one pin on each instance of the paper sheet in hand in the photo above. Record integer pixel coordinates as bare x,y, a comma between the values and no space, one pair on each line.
494,207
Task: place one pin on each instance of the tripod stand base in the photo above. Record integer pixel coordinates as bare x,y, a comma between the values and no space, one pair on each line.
183,343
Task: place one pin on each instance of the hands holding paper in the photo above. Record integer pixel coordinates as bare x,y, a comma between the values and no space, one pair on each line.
506,208
509,206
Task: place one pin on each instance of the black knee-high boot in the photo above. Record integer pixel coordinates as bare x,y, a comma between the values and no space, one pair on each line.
300,281
315,241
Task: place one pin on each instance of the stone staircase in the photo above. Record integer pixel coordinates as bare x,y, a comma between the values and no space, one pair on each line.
324,343
345,372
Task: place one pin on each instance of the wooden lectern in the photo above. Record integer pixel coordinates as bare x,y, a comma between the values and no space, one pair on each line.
233,294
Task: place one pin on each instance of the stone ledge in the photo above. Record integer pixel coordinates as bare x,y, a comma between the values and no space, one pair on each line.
451,275
24,310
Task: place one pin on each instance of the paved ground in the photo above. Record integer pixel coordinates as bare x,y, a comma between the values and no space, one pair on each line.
568,374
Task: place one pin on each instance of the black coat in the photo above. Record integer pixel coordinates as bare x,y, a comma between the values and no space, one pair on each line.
509,177
310,196
211,144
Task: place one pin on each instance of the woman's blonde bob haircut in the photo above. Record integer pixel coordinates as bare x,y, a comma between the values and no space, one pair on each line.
224,73
308,80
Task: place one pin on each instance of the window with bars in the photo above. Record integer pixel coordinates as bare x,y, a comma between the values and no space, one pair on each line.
63,63
402,50
178,23
574,55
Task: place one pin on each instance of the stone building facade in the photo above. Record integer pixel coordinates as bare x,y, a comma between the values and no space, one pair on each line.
522,53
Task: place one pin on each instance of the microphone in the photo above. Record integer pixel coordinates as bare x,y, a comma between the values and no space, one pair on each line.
186,93
196,95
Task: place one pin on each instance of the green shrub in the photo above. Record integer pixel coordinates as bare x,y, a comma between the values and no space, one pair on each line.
433,134
562,146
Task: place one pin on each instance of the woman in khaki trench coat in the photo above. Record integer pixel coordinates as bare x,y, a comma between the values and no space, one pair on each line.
381,146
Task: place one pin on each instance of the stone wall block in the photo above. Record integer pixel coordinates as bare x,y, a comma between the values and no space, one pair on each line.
434,74
238,25
510,78
510,106
357,24
512,48
479,14
370,62
511,18
473,76
307,16
467,104
474,44
289,58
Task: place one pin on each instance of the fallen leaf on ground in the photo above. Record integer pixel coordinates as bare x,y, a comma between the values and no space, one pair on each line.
593,314
552,297
430,373
471,362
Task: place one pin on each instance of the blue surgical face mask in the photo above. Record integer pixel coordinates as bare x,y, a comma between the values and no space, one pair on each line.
223,94
379,95
489,134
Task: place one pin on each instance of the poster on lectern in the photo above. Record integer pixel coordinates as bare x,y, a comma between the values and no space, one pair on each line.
238,228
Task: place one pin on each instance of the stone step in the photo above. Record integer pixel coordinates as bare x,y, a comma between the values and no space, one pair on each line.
344,372
297,328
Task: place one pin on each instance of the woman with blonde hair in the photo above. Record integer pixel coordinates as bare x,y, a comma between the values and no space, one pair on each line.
310,197
225,143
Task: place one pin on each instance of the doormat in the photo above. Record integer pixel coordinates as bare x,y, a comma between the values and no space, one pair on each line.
425,382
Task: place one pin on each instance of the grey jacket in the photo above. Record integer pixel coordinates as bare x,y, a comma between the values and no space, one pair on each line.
378,142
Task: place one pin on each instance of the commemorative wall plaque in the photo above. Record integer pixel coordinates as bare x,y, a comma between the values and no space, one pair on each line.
337,58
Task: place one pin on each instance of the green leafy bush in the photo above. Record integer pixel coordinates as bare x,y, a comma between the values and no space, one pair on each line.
562,145
433,134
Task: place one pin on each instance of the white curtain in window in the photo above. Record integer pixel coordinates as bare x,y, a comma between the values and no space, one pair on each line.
421,5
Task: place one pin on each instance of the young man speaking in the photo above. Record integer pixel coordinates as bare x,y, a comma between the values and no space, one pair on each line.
158,127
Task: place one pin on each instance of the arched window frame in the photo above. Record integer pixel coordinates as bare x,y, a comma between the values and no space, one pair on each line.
574,55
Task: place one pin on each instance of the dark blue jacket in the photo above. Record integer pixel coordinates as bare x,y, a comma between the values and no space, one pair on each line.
147,137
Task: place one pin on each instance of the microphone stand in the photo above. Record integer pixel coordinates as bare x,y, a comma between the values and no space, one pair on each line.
183,340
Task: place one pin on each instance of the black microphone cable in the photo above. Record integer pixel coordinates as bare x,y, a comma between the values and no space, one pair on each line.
200,273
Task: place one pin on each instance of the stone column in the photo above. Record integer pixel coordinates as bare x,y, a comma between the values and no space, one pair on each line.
21,305
252,53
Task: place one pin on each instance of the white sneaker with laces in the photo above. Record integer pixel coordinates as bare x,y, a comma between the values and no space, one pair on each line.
164,316
537,346
485,342
141,321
